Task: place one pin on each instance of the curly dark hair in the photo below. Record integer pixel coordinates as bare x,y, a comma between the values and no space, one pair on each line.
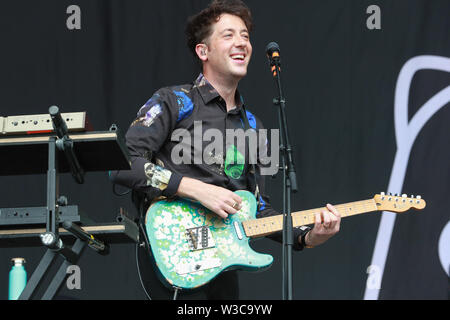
199,26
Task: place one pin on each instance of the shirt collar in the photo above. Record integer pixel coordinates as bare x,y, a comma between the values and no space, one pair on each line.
209,93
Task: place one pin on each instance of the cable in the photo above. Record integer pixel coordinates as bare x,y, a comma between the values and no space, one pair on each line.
147,244
119,194
137,260
139,273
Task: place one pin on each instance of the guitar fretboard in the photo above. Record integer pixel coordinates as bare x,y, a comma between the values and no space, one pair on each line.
265,226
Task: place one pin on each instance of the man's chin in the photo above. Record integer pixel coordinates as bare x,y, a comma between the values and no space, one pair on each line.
239,73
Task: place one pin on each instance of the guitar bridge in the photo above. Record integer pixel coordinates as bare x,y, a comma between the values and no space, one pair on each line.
200,238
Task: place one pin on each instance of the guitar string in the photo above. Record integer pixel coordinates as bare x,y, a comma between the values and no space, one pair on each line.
365,204
312,212
306,215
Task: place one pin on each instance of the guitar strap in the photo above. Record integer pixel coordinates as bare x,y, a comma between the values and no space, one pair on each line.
250,156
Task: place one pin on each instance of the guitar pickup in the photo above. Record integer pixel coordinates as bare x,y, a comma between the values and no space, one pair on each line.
200,238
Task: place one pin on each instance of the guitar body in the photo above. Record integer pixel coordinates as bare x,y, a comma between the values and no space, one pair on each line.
191,245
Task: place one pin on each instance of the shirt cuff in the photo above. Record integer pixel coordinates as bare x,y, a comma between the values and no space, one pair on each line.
297,246
298,232
172,186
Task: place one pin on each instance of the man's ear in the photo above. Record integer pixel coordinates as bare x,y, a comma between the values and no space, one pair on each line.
201,49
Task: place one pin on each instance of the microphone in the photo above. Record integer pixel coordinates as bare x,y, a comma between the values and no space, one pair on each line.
58,123
92,242
273,53
64,143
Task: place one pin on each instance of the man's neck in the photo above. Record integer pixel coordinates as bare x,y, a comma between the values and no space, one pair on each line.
226,88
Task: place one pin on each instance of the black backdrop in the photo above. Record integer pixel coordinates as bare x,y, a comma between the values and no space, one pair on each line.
339,79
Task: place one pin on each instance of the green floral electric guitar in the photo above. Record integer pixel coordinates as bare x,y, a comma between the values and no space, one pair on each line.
191,245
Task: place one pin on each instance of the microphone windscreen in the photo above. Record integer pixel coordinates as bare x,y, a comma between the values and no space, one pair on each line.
272,47
53,110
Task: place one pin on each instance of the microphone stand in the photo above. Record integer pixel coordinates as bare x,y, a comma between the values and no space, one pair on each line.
289,182
51,238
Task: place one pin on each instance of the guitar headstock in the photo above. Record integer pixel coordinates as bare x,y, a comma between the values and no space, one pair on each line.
397,203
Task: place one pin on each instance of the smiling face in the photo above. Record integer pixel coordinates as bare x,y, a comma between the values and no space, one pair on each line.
228,50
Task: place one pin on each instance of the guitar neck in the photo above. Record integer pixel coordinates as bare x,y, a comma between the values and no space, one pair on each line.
265,226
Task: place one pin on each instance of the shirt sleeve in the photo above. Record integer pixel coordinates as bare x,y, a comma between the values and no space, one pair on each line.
265,209
153,125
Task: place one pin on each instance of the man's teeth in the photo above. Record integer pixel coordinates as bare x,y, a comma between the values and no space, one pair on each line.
239,56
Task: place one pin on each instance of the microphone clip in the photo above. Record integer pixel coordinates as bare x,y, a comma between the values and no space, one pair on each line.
277,101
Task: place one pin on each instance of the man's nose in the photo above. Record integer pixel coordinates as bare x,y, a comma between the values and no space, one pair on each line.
240,41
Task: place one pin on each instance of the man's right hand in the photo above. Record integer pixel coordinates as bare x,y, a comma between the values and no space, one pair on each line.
217,199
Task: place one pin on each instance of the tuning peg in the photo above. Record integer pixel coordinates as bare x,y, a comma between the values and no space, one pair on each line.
390,193
418,199
382,193
404,195
396,194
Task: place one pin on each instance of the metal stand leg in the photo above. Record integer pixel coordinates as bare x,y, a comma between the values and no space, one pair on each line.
58,280
38,275
175,294
49,258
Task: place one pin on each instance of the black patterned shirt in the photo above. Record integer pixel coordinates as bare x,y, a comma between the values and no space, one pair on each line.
172,137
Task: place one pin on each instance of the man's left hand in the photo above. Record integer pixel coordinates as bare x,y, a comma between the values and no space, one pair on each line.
327,224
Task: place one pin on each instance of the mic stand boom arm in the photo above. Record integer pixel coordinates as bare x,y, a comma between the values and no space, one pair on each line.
65,144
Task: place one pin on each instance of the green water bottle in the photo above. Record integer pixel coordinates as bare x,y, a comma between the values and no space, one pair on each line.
17,278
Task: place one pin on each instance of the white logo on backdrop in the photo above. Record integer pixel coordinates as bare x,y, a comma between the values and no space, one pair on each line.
443,248
406,133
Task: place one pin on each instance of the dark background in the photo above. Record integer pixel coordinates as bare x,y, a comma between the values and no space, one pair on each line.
339,78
